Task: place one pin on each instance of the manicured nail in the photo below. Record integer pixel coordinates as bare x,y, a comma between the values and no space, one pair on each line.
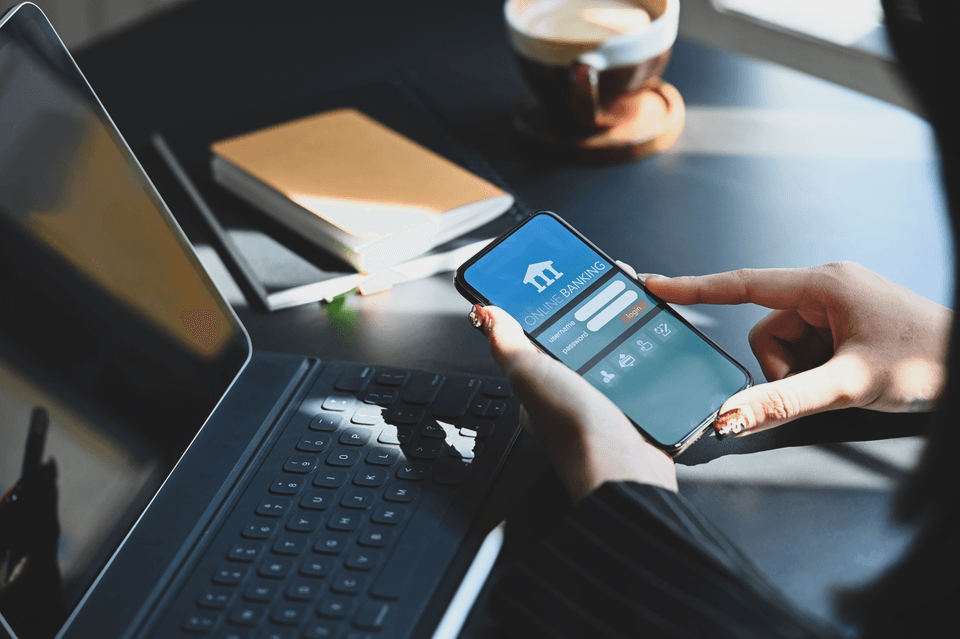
477,316
731,423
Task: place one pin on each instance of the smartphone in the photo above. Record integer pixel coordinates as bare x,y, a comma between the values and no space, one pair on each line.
576,304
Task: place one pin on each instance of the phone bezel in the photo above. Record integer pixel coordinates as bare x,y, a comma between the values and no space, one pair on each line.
473,295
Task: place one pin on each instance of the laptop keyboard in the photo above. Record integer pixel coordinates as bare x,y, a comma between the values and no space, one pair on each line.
352,518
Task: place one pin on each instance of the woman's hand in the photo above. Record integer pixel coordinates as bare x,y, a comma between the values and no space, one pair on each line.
840,336
588,439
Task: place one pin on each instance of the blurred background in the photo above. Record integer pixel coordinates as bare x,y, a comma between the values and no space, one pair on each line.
81,22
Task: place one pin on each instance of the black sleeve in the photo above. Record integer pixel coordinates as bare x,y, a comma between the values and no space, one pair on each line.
633,560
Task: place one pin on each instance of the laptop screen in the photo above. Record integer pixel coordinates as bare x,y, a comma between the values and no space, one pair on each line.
115,346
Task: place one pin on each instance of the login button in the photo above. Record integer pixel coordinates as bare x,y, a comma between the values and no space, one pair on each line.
633,312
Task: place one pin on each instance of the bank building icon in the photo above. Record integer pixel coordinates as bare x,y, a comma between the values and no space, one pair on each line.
537,271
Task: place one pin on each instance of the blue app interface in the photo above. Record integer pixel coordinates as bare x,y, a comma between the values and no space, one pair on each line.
600,323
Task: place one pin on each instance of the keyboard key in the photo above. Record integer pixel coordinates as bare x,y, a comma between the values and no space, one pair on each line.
371,477
414,471
375,537
246,615
200,623
275,568
289,545
330,478
473,427
303,522
453,474
345,521
401,492
326,422
434,430
393,378
276,634
286,485
259,529
423,388
314,444
233,633
464,447
321,630
303,589
348,583
229,576
371,615
245,551
285,614
273,507
334,607
261,591
495,409
394,435
318,499
455,397
331,543
355,436
300,464
357,498
381,396
362,560
337,403
343,457
406,415
317,567
496,388
215,598
381,456
426,449
368,415
388,515
354,378
479,407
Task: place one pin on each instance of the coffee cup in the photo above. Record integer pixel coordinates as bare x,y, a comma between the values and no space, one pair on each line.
585,61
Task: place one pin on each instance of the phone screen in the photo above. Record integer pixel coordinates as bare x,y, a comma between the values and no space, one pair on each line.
576,304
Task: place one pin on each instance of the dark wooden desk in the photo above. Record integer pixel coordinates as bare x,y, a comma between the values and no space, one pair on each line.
775,169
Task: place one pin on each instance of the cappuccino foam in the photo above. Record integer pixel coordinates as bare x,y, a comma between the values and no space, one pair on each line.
581,20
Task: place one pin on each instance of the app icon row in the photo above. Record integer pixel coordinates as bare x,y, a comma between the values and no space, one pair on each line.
631,353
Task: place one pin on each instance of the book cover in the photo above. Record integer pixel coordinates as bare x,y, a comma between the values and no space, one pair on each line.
275,267
356,187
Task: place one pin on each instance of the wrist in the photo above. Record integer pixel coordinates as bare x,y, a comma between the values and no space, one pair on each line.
585,463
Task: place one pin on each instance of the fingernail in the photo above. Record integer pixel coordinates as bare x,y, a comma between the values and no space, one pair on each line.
477,317
731,423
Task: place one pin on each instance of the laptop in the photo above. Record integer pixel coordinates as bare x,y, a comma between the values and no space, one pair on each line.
160,478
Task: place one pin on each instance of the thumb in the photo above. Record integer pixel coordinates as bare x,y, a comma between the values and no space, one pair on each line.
508,342
842,382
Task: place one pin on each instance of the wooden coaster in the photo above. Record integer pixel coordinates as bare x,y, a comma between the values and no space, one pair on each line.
656,121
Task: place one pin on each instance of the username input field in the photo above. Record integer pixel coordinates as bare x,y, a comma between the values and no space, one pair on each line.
614,309
600,300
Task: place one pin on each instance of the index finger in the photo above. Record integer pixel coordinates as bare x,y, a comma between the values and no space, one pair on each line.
776,288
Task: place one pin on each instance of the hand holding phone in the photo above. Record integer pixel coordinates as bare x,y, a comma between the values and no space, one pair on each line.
577,305
586,436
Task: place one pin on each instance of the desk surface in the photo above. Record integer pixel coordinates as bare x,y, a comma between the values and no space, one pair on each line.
774,168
